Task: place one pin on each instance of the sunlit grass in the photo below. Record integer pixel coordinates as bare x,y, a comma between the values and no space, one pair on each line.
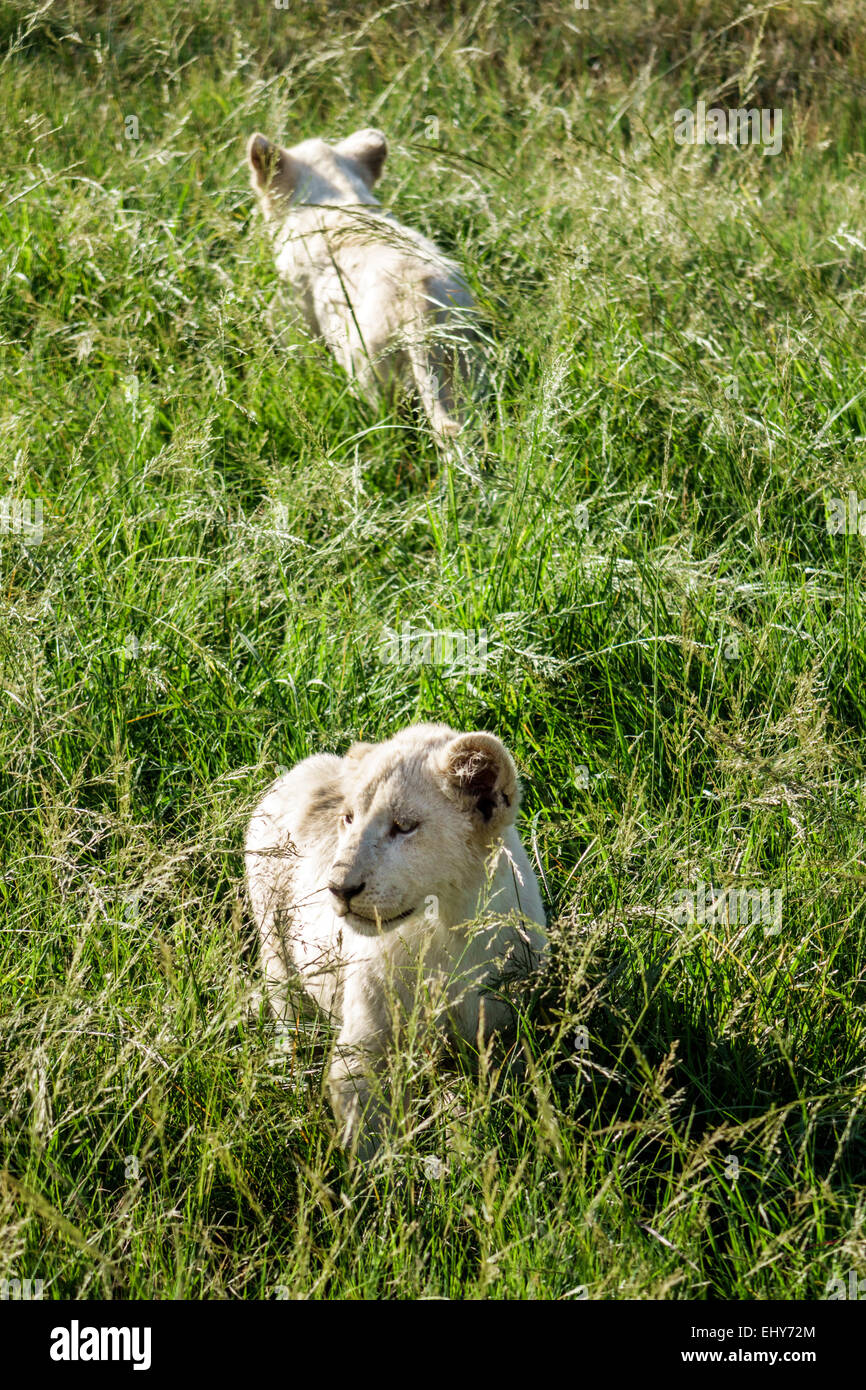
676,646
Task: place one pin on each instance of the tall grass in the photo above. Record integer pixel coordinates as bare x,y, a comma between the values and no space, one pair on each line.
676,643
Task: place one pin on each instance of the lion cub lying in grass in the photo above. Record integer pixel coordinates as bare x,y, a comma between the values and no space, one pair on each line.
366,874
393,310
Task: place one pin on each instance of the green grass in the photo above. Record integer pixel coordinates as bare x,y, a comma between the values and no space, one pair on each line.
677,643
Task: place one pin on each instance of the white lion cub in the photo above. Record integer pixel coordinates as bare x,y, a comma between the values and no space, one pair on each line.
394,868
393,310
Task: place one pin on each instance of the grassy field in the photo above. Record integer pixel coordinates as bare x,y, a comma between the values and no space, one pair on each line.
676,642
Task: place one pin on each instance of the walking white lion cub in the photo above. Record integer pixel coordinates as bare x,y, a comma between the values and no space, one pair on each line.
395,868
393,310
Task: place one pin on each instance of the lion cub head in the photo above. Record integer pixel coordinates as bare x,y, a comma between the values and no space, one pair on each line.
315,172
417,820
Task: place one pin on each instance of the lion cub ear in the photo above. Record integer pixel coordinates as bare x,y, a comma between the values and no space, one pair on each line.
357,751
369,148
478,772
269,165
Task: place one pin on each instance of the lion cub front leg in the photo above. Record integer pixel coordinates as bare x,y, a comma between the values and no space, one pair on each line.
358,1103
358,1078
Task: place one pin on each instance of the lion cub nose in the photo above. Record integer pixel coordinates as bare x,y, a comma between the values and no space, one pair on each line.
345,892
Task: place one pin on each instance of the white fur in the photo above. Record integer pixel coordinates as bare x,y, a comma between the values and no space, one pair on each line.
393,310
450,906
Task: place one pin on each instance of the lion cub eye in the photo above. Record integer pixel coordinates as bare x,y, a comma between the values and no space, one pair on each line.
346,818
398,829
